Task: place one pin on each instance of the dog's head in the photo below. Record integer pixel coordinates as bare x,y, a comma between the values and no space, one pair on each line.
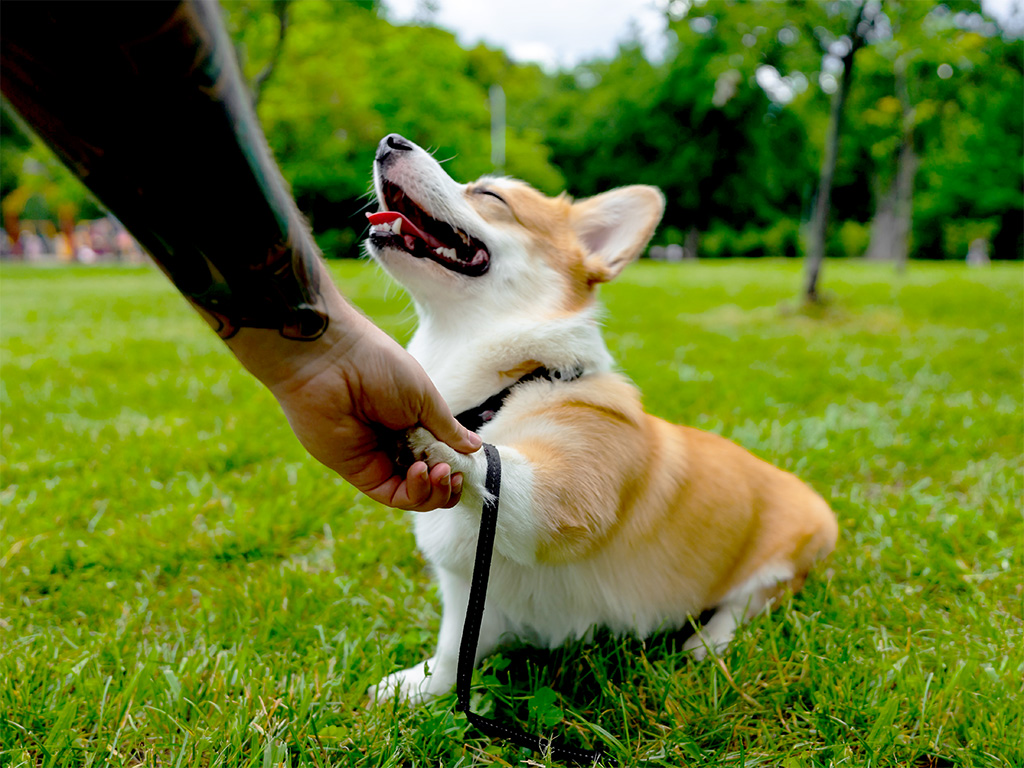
498,241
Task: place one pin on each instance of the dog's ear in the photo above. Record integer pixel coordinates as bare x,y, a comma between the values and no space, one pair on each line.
615,226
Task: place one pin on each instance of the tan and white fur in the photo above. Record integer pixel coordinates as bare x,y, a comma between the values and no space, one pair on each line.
608,516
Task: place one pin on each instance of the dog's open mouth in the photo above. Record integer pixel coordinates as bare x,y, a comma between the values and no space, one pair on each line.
407,227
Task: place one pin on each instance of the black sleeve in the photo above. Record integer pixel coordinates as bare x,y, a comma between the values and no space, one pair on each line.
144,101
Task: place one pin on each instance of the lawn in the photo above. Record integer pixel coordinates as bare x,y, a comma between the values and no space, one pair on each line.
183,586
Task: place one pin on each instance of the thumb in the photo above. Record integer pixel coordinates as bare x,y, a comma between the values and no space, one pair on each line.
436,417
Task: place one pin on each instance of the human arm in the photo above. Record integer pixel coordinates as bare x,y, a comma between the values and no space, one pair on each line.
347,394
183,164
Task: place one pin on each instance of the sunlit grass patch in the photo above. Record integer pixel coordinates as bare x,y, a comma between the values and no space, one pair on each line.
182,585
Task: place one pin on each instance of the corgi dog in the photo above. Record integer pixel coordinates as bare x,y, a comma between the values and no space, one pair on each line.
608,516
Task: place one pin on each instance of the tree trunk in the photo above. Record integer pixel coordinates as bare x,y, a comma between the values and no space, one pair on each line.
904,211
691,244
883,223
819,220
891,225
258,83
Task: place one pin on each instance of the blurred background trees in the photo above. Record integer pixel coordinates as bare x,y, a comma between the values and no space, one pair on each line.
730,122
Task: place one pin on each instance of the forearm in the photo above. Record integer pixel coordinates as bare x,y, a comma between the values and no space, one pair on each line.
277,359
179,157
181,160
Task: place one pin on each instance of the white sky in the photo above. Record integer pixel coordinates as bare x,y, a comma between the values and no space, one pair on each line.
550,32
564,32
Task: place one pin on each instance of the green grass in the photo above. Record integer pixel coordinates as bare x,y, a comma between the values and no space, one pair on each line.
183,586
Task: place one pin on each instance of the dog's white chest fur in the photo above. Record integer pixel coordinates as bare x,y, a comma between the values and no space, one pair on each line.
544,604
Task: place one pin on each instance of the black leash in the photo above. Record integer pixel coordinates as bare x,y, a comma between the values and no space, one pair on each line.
471,634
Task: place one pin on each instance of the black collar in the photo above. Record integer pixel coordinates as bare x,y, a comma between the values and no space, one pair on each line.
474,418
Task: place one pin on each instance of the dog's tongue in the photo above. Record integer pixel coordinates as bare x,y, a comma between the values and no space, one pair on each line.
408,228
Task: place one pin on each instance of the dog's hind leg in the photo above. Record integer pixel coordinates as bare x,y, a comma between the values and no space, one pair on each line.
739,606
717,633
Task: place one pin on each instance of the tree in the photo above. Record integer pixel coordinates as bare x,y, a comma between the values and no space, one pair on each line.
733,123
260,80
32,177
344,77
855,37
699,126
971,179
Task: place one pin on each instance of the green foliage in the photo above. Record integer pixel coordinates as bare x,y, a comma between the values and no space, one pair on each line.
697,127
733,157
976,170
852,239
13,144
964,91
33,183
184,586
959,234
346,77
780,239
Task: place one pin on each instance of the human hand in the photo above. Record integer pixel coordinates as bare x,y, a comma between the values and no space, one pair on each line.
346,404
342,382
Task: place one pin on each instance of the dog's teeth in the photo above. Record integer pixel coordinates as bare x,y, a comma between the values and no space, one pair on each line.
464,236
439,251
449,252
396,226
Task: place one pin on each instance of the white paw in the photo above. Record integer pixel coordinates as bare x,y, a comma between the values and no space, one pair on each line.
703,641
425,447
411,685
716,634
695,645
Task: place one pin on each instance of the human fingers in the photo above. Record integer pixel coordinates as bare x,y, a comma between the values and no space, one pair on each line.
436,417
439,490
417,486
421,490
442,474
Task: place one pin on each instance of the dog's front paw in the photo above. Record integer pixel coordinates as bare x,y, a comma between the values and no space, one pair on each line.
426,447
414,685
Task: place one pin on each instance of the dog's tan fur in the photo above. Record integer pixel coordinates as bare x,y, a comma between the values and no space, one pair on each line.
641,485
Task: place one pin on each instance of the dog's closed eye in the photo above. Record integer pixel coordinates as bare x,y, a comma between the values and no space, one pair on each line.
482,191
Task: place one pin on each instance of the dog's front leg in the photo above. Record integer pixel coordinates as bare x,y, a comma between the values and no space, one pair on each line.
516,534
515,539
436,675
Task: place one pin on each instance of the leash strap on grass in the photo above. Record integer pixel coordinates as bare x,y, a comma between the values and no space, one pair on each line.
471,634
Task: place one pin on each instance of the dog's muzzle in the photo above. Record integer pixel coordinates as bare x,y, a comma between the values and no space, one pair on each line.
390,146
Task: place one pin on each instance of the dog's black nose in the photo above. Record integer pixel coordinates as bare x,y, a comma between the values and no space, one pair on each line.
392,143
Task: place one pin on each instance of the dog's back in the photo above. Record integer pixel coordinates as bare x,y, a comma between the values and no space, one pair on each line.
658,520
